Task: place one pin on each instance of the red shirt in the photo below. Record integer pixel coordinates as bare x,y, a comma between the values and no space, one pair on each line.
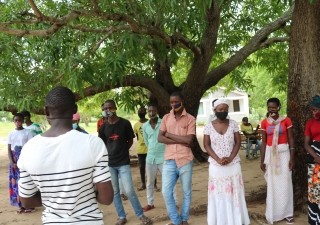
313,129
100,122
269,128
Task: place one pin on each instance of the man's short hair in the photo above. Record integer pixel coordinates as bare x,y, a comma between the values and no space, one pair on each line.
245,119
112,102
26,113
177,93
153,105
61,101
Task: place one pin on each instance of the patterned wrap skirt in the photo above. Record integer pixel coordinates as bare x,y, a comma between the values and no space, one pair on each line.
314,188
14,176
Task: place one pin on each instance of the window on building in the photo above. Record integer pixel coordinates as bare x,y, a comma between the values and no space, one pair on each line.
236,106
200,109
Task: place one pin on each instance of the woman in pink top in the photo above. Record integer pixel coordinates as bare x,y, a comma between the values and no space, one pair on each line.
277,161
226,198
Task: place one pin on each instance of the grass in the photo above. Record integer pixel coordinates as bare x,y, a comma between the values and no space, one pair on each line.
6,127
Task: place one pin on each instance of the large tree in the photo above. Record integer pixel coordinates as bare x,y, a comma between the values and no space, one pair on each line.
303,83
94,46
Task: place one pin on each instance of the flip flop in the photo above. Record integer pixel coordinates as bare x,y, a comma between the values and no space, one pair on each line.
31,210
20,211
290,220
141,188
148,207
145,220
124,197
157,189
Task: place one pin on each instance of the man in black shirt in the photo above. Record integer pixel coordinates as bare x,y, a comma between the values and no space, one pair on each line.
117,134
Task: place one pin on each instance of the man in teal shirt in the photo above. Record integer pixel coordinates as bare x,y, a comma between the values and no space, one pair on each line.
155,156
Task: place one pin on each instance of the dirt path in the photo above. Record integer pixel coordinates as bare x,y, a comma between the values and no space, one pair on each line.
252,175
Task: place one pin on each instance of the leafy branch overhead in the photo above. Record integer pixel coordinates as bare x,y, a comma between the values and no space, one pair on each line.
95,46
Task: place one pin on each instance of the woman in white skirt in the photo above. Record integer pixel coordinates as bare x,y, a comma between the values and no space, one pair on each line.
226,197
277,161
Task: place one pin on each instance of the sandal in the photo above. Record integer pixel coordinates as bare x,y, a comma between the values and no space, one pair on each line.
148,207
290,220
123,197
31,210
141,188
145,220
157,189
21,210
122,221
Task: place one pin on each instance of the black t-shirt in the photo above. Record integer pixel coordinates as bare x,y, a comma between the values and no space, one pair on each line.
115,137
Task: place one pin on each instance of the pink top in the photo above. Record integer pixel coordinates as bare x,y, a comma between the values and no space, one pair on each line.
222,145
184,126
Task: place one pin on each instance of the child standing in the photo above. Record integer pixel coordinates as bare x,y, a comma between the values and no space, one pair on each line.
17,138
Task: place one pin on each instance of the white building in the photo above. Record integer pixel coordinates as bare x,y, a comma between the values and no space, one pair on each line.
239,105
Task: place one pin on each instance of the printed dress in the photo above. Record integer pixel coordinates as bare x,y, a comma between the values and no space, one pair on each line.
226,196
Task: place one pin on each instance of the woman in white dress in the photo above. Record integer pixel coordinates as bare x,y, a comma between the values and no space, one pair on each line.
226,197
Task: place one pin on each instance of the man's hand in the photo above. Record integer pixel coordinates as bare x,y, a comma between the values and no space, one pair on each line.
263,167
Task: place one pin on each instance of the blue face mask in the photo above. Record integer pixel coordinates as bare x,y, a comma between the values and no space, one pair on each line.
74,126
104,114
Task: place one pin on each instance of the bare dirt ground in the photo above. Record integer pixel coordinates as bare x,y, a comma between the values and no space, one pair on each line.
252,175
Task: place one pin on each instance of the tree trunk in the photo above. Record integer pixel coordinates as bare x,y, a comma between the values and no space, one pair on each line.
303,84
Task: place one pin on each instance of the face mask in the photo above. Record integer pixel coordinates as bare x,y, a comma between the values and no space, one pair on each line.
177,106
317,115
111,113
221,115
152,116
104,114
142,115
74,126
272,112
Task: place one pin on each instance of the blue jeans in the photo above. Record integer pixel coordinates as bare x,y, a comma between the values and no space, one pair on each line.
152,170
170,175
258,146
126,179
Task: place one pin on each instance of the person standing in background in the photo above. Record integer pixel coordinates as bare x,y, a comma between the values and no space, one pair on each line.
101,120
177,131
277,161
32,126
117,134
17,138
312,146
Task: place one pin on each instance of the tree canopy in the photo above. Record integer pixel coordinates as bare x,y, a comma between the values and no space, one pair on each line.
162,46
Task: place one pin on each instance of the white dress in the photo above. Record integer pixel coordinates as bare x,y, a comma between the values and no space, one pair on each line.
226,196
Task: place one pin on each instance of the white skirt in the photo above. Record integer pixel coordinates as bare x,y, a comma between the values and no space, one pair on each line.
279,186
226,197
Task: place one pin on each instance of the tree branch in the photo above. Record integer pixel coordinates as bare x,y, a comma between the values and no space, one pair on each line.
270,41
128,81
187,43
95,5
258,41
103,30
93,49
35,9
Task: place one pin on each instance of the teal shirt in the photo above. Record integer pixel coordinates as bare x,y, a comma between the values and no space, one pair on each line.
156,149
